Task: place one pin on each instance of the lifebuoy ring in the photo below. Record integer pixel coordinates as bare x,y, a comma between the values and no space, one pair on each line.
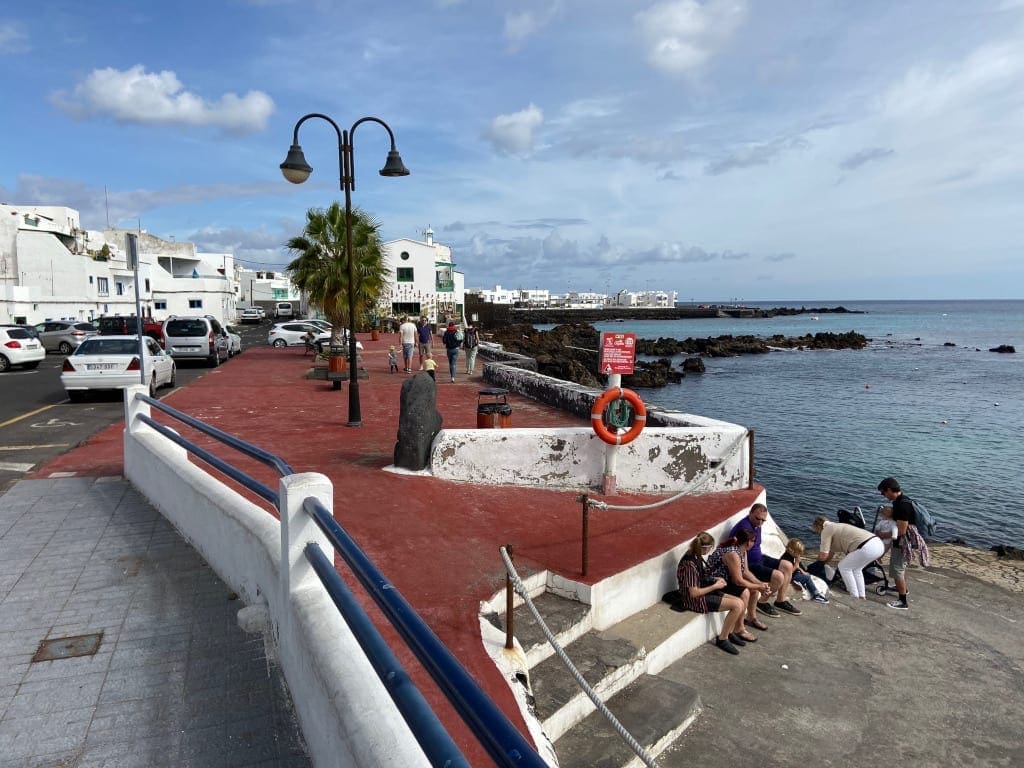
612,437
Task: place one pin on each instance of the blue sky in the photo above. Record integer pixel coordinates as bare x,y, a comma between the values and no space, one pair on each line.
726,149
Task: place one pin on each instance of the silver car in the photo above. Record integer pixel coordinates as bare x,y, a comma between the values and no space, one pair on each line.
64,336
194,338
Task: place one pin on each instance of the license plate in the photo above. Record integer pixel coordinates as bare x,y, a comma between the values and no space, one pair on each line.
187,349
100,366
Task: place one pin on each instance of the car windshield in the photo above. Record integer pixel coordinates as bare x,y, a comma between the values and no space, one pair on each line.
186,328
100,346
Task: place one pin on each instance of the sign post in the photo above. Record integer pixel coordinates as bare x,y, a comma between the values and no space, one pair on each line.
133,262
618,353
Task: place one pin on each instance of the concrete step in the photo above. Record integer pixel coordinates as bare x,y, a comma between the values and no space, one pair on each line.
567,620
654,710
607,663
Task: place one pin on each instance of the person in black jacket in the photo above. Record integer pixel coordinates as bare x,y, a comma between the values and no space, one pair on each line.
452,341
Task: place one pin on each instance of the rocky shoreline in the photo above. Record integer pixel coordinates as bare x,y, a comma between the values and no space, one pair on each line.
981,564
569,352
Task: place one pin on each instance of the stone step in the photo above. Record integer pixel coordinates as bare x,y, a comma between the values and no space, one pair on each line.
567,620
606,662
653,709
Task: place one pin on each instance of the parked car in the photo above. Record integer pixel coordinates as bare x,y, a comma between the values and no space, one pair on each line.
249,315
263,313
64,335
196,338
283,309
321,323
234,342
113,362
294,335
19,347
126,325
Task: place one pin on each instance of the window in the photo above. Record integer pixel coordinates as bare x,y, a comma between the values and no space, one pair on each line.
119,287
195,303
147,285
404,274
102,286
90,279
157,304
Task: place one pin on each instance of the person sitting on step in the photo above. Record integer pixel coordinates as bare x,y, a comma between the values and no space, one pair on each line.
701,592
778,573
729,562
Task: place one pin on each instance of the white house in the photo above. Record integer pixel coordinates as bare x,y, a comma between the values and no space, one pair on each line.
424,280
51,268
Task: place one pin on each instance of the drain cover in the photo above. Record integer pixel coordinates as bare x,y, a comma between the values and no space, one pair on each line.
68,647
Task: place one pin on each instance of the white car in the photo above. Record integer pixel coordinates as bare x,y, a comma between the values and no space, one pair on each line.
234,341
250,315
294,335
19,346
113,362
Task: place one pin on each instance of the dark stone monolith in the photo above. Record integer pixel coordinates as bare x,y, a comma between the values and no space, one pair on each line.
418,422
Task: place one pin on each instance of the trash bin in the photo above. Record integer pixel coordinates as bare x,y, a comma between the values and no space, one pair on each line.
495,412
337,365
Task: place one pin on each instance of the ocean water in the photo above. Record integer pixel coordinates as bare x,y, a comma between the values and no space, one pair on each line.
946,421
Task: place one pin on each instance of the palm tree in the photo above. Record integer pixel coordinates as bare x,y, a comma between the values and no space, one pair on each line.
320,266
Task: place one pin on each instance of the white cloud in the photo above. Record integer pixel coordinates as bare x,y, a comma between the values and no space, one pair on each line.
13,38
682,35
520,26
513,134
150,98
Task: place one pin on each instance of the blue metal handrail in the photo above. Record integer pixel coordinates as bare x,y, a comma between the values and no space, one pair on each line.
436,742
239,445
502,740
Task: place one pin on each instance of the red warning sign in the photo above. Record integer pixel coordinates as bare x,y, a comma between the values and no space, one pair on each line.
618,352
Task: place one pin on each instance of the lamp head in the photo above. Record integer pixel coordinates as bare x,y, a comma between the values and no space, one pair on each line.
394,165
295,168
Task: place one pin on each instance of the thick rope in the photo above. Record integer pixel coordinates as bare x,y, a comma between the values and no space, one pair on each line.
626,736
685,492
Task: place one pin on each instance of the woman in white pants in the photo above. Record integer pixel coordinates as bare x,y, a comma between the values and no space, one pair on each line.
857,548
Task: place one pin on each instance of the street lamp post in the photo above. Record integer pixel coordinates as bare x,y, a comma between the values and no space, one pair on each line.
297,170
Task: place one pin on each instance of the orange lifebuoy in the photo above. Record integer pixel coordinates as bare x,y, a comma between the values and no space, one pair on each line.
597,416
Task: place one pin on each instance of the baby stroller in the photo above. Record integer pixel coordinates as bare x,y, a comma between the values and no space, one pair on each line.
875,571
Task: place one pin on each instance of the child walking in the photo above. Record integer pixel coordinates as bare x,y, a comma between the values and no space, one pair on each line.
393,359
429,365
794,551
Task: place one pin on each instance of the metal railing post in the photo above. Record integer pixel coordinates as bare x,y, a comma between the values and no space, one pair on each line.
509,593
585,555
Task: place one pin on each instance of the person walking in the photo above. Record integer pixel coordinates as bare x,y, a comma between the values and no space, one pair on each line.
471,343
426,339
407,333
857,548
452,341
906,539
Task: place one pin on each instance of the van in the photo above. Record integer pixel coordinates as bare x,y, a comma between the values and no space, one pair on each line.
196,338
283,309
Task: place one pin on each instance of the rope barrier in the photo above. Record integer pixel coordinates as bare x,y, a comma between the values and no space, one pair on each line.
685,492
626,736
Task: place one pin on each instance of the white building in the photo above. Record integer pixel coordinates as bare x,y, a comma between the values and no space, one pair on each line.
424,281
51,268
263,288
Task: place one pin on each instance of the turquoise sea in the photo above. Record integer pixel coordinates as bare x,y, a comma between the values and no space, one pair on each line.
946,421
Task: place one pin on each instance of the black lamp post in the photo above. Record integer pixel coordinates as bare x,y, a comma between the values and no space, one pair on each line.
297,170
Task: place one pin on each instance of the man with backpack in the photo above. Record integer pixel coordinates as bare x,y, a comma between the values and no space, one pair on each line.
906,539
452,339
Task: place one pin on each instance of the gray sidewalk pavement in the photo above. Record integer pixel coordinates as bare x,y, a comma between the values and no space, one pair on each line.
167,679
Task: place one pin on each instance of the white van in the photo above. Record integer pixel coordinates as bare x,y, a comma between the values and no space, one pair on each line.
283,309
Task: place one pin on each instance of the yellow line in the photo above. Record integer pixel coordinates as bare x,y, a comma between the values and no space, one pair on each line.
26,415
32,447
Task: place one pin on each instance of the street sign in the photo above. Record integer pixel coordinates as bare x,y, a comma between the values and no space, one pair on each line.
618,352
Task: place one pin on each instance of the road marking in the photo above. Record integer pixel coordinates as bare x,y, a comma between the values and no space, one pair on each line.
56,423
10,466
33,447
26,415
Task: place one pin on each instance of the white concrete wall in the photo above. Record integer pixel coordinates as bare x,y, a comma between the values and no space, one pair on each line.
660,460
347,717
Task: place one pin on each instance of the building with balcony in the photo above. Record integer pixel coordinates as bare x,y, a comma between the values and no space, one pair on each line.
423,281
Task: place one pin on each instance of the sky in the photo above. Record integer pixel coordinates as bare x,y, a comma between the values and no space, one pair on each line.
725,149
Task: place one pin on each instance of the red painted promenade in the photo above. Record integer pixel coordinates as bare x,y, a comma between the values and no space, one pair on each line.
436,541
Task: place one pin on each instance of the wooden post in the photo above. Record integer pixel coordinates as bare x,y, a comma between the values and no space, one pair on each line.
586,531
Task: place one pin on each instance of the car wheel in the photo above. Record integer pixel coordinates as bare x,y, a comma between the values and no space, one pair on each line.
152,386
277,343
30,366
64,348
76,395
174,376
214,360
5,364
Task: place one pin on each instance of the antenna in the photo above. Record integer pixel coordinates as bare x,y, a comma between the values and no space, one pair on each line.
106,205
